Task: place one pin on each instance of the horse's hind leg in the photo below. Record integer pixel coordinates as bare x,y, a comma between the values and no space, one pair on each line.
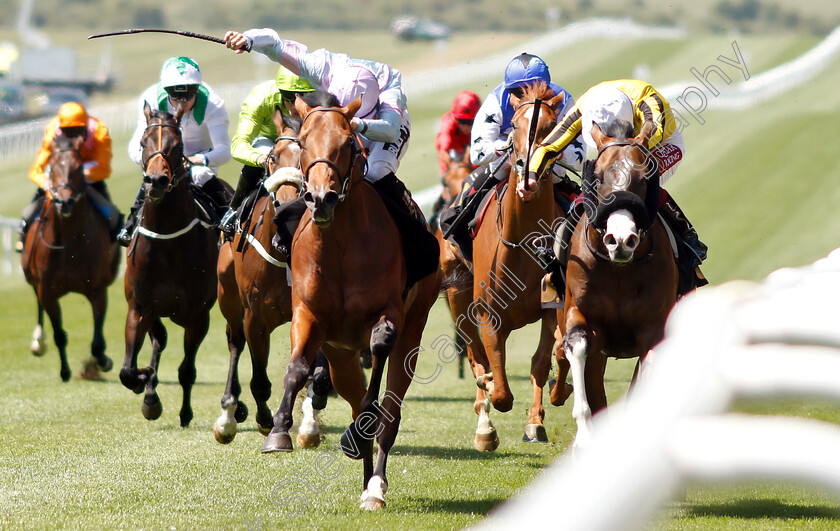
39,343
59,335
152,408
100,361
193,336
309,434
540,368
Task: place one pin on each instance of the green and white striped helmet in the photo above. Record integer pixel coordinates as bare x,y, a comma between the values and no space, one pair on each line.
179,71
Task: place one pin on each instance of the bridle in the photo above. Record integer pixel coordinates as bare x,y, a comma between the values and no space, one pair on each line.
174,178
355,152
623,194
77,192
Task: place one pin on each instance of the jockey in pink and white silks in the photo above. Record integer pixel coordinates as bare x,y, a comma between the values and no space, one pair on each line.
382,122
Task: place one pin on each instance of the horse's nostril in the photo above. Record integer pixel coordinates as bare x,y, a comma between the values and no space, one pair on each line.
331,199
308,199
609,240
632,242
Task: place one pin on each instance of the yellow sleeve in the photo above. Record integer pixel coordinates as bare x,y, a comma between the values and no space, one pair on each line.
552,147
36,171
101,154
652,109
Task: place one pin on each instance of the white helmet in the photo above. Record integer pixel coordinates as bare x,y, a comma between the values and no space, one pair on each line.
350,82
179,71
604,105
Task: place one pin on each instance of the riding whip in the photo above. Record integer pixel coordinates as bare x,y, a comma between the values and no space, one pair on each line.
175,32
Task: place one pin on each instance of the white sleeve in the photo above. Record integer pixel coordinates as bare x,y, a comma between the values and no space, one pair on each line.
135,150
384,128
217,125
485,132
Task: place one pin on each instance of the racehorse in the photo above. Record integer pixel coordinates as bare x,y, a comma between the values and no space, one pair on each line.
349,291
506,274
171,265
254,295
69,250
621,277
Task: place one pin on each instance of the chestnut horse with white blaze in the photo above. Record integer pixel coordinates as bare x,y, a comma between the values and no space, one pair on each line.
506,293
68,249
349,277
621,277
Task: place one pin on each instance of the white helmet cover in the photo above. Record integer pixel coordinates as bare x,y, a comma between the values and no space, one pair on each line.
604,105
179,71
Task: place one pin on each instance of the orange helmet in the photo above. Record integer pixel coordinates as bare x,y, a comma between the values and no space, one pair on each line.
465,106
72,114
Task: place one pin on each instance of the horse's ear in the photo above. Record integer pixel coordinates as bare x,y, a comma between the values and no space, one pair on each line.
179,112
301,107
648,130
599,137
277,118
514,100
556,101
350,110
147,112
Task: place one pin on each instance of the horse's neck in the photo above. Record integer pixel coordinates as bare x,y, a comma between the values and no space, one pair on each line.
173,212
520,219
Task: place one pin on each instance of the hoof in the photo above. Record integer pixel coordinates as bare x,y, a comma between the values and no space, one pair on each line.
371,504
308,440
65,375
241,412
152,411
486,442
354,445
221,436
265,430
106,365
535,433
38,348
558,395
277,442
90,370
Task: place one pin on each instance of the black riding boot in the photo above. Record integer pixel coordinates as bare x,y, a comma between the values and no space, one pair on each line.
692,252
458,219
127,232
217,193
248,178
36,205
420,247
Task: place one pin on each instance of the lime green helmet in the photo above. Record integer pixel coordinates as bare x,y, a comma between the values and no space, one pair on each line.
288,82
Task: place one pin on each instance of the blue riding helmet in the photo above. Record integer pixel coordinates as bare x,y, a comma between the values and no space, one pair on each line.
524,69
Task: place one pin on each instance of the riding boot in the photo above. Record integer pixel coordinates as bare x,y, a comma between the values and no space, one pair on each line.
99,195
436,209
127,232
688,262
458,219
218,194
248,178
421,248
30,213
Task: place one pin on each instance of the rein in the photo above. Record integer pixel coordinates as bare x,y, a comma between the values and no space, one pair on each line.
346,183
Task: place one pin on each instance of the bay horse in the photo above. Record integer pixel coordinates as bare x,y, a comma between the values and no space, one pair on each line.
349,292
69,249
254,295
506,281
171,265
621,276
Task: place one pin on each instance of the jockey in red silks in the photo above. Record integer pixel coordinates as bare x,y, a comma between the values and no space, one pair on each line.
453,136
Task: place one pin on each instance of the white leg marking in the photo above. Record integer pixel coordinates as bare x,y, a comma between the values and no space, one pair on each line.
309,423
485,426
225,427
39,344
576,354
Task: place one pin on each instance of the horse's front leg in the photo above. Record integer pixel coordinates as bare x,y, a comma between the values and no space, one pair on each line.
99,361
136,328
224,430
258,336
540,368
193,336
50,305
152,408
307,336
579,342
38,347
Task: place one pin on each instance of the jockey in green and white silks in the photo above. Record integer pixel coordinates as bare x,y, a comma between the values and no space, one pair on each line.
204,127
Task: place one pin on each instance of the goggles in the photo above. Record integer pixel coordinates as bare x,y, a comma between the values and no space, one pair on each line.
182,92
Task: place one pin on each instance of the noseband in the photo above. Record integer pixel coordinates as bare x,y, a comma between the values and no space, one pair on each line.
174,179
346,184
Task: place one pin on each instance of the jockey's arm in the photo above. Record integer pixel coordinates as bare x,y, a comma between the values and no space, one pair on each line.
564,133
217,125
267,42
653,109
98,168
248,129
135,150
487,143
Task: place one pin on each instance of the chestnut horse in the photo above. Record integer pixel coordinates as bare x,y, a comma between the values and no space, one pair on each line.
69,250
254,294
171,265
506,275
621,277
349,291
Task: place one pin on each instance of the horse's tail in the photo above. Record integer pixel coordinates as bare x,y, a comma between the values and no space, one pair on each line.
460,279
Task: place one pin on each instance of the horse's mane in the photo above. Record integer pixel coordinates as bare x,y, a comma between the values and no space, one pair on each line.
619,130
163,115
320,99
540,90
63,142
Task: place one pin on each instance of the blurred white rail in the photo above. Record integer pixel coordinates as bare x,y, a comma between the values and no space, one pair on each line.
777,338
